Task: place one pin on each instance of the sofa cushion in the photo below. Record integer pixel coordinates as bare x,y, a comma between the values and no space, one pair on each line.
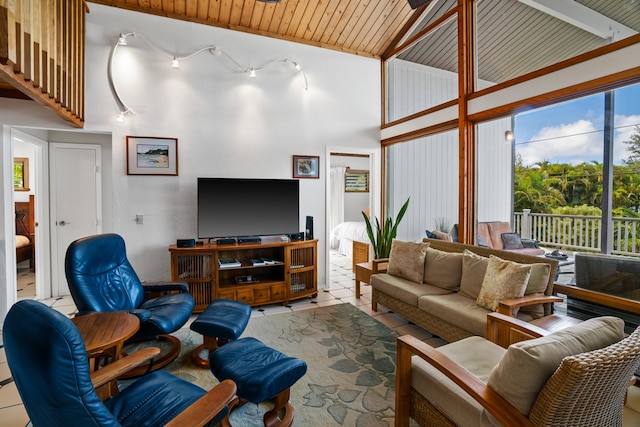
502,280
406,260
538,282
496,228
528,365
458,310
403,289
474,267
443,269
442,392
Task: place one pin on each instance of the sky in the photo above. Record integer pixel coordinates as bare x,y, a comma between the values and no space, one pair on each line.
572,132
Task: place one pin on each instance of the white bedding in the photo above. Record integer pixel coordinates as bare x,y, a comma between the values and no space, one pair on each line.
343,235
22,241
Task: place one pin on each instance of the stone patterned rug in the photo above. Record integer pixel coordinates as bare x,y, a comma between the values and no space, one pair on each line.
350,379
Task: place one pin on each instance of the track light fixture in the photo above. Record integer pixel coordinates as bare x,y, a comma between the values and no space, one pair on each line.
175,63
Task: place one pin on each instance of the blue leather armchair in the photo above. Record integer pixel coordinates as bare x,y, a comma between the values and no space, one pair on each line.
48,361
101,279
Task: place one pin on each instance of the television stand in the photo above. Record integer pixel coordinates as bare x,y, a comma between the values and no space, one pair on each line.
271,271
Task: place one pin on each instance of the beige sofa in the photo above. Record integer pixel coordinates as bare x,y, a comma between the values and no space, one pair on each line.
445,300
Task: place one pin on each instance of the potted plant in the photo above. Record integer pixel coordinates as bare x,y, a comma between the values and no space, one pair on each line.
383,236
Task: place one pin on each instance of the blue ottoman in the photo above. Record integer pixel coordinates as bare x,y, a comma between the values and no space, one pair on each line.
222,321
260,373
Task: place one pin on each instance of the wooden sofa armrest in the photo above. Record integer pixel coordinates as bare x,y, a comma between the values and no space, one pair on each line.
379,265
121,366
505,330
508,306
495,404
203,410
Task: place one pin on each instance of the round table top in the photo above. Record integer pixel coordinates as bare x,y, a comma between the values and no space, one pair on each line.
103,330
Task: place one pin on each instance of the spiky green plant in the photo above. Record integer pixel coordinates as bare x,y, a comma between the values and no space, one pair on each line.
383,236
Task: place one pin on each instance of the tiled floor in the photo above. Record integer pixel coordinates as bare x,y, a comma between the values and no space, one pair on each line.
341,289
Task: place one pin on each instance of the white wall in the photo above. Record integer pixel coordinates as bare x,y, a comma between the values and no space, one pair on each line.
227,125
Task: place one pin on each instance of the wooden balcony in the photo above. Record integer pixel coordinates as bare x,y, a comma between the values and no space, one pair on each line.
42,53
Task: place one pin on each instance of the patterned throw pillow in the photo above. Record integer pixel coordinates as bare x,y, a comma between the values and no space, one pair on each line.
406,260
502,280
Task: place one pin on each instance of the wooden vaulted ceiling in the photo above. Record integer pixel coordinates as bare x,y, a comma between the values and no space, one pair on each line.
369,27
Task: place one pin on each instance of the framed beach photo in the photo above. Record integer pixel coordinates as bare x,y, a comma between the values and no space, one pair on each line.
306,166
148,155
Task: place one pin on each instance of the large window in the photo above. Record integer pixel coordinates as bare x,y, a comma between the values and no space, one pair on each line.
564,177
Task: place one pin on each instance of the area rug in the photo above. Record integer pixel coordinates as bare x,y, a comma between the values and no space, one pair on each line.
350,379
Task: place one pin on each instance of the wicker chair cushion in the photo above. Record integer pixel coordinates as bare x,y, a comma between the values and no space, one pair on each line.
441,392
443,269
589,389
473,269
403,289
406,260
503,280
528,365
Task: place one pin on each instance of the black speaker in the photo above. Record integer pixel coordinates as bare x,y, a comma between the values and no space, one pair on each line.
296,237
417,3
309,228
186,243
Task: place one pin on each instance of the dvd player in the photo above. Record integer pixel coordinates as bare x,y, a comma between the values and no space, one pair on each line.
226,241
250,239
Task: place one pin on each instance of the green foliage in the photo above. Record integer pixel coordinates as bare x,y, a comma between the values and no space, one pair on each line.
383,236
582,210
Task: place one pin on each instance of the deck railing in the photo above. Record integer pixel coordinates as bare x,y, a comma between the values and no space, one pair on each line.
576,232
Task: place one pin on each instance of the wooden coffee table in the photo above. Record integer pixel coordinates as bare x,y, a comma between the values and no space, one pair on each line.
106,332
104,335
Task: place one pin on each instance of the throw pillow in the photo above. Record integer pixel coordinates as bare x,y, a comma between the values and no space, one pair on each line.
528,365
511,241
473,268
443,269
406,260
502,280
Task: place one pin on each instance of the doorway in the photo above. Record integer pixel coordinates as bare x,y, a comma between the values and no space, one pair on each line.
345,206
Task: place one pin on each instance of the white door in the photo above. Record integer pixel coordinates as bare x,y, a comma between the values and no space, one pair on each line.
75,202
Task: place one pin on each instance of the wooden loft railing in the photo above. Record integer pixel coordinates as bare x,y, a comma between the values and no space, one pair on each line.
42,53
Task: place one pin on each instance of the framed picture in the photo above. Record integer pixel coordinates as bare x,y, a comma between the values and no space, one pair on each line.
21,174
356,181
147,155
306,166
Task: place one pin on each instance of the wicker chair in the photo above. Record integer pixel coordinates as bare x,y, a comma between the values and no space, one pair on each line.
586,389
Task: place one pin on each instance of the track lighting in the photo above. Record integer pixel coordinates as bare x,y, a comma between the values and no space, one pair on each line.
175,63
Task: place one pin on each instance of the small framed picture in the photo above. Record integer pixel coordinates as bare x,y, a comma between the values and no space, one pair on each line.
148,155
306,166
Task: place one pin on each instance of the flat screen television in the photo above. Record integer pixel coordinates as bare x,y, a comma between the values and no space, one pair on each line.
237,207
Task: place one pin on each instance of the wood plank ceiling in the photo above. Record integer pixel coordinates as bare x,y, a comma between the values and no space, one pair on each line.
368,27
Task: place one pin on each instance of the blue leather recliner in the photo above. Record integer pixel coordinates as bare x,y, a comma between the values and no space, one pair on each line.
48,361
101,279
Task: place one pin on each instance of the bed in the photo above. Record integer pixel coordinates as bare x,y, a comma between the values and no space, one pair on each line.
25,232
344,234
